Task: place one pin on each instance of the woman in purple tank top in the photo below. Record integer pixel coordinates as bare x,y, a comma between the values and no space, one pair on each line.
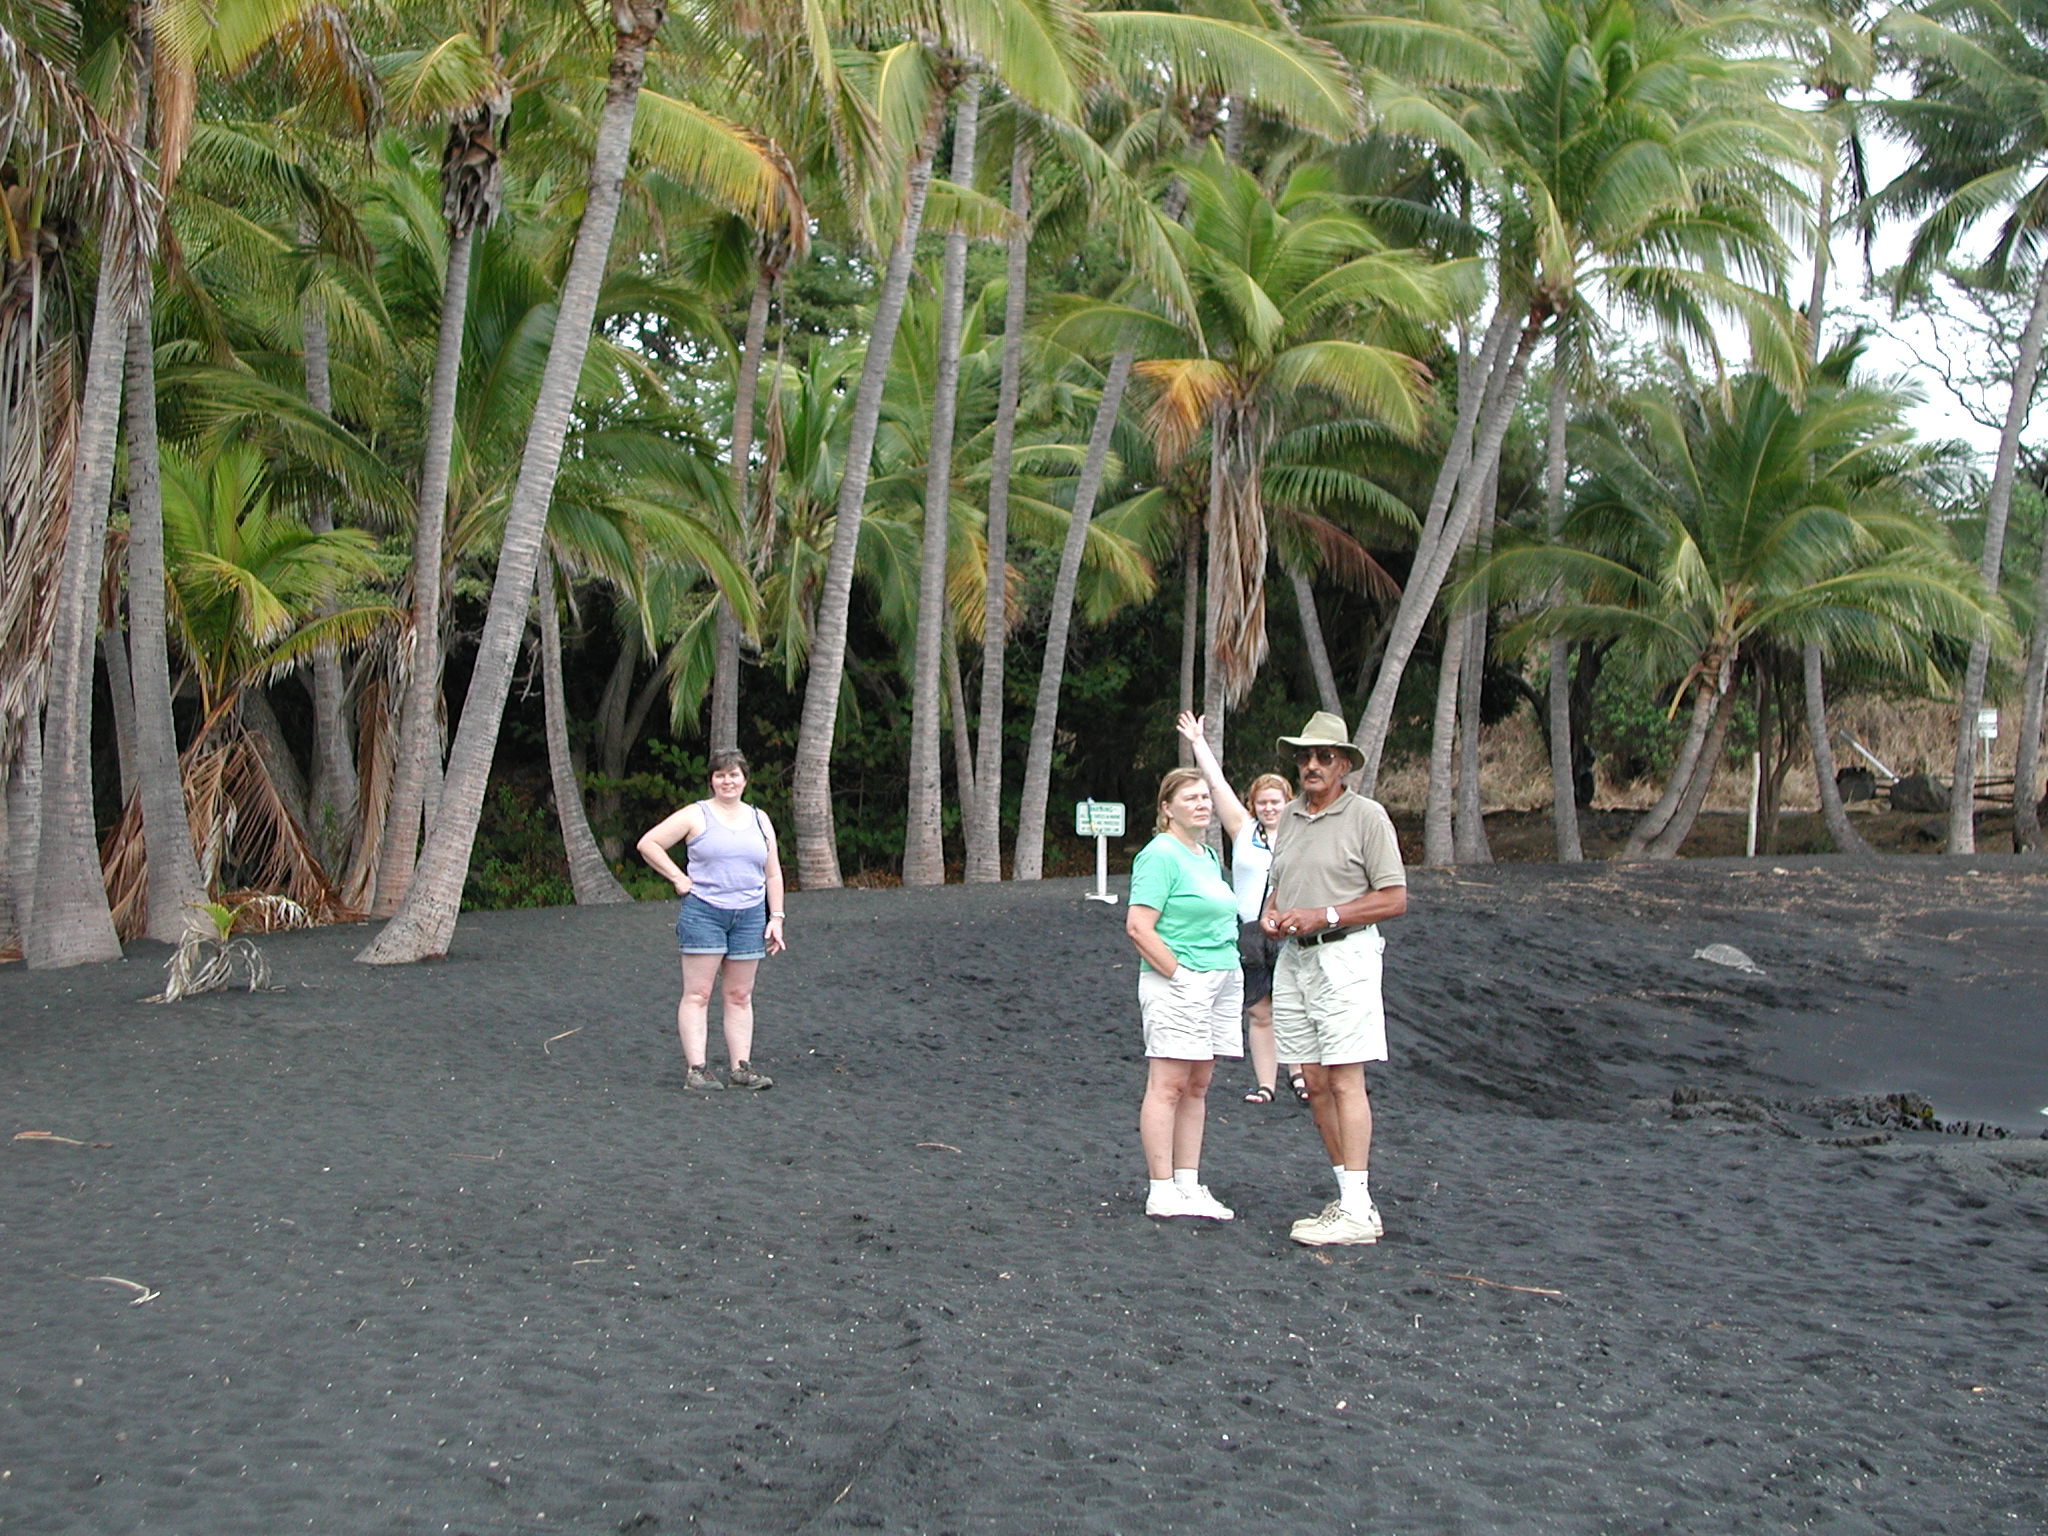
731,917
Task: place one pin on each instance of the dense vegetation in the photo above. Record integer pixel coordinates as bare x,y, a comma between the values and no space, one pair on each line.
427,418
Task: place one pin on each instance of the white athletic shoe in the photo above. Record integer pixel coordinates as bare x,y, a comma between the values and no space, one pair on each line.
1202,1203
1329,1212
1343,1227
1316,1220
1175,1201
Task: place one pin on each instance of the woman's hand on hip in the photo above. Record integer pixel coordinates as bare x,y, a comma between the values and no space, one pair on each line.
682,884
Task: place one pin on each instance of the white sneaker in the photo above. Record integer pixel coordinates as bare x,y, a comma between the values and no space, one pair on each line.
1201,1203
1316,1220
1343,1227
1330,1211
1175,1201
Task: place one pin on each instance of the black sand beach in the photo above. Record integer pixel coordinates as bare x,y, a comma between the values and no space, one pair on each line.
446,1249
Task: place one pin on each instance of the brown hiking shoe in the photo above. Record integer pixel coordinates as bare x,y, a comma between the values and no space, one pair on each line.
744,1076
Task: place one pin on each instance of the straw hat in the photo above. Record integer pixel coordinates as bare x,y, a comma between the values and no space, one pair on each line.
1323,730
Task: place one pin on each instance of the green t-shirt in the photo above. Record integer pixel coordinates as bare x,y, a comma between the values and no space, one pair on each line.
1196,906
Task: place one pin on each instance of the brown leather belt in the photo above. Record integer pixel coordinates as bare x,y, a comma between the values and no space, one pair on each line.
1328,935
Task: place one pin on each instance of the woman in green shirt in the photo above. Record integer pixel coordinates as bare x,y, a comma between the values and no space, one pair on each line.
1183,919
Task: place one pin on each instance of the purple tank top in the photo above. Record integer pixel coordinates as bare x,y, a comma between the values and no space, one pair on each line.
728,866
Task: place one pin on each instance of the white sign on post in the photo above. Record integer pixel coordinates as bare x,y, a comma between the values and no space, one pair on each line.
1101,820
1987,724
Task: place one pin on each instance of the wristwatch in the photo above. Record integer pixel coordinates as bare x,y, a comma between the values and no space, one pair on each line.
1330,916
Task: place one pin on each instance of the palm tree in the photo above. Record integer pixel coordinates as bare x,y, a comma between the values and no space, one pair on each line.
1041,56
1978,132
1635,161
66,167
1713,523
252,591
423,924
924,856
984,826
1298,302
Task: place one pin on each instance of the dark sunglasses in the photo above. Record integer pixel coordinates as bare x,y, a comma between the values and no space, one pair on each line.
1306,755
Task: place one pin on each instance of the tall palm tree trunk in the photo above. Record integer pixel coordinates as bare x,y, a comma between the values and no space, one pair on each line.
2026,768
1564,798
335,787
1707,697
1666,843
68,922
985,828
1433,555
817,852
725,665
175,885
1439,846
924,854
426,921
24,814
590,878
419,716
121,702
1027,862
963,731
1469,826
1962,807
1833,812
1813,665
1312,641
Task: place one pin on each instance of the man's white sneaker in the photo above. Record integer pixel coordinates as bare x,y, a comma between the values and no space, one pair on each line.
1328,1212
1175,1201
1316,1220
1343,1227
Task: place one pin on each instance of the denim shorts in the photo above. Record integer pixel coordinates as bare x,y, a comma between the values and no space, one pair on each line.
702,929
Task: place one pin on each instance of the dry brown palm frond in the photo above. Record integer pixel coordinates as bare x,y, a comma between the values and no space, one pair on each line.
266,912
268,845
1342,558
41,421
240,826
1237,556
126,872
1186,393
208,954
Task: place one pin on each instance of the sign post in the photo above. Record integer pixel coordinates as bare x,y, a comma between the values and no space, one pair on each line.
1101,820
1987,732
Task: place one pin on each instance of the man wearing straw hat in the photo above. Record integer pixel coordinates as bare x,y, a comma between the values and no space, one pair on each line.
1336,874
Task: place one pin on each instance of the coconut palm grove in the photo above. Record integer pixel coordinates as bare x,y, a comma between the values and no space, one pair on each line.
428,430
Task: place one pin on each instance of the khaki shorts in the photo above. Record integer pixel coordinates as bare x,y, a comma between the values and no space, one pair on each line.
1326,1001
1196,1016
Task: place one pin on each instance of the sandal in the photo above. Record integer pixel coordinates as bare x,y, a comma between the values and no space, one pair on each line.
1300,1086
1259,1095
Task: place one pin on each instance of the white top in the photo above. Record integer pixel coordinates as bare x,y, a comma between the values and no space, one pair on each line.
1251,860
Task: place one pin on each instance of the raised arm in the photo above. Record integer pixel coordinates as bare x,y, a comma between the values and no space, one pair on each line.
1229,809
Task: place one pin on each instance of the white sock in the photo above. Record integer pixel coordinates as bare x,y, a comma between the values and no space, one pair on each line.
1160,1189
1189,1179
1337,1173
1357,1197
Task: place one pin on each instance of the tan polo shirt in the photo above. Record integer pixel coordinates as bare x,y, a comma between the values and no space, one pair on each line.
1322,859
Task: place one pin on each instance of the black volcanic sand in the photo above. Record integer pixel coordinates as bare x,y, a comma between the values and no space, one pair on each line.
445,1248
